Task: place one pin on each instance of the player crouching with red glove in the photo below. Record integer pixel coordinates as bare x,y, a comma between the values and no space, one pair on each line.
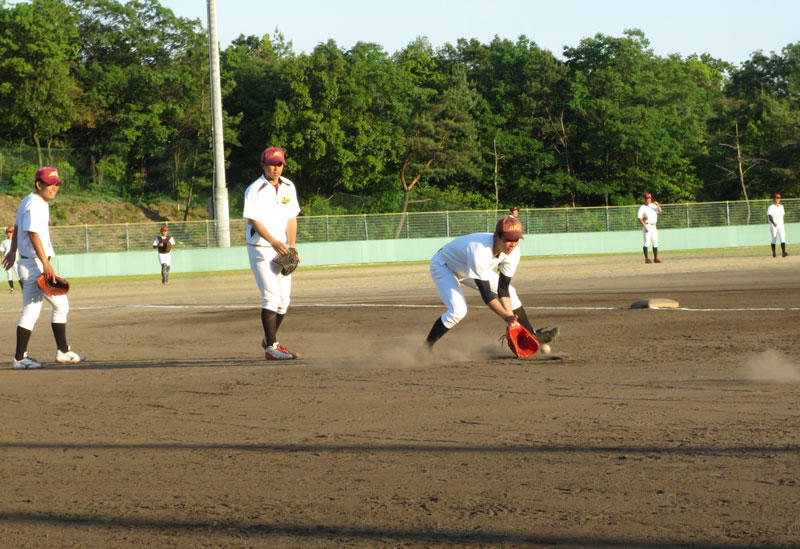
486,262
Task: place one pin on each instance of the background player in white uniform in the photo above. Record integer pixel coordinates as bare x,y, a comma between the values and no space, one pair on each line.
271,208
4,247
775,216
164,244
32,238
648,217
486,262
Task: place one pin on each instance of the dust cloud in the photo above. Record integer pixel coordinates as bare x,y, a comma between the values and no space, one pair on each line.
771,366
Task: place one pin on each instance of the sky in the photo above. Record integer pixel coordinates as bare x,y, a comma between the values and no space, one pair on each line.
730,30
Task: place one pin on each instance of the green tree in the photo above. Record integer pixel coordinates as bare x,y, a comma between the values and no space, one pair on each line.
38,92
637,119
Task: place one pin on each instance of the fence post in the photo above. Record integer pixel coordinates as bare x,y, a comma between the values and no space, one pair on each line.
408,233
687,215
127,239
727,213
208,239
608,221
327,228
366,229
447,223
487,221
86,233
566,219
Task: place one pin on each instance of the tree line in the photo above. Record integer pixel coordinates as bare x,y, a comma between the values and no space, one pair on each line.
125,86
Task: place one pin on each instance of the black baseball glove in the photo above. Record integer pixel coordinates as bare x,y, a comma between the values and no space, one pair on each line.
288,262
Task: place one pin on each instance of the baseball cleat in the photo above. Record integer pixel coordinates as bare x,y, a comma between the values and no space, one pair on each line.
785,254
278,346
647,260
548,335
70,357
278,352
656,260
25,364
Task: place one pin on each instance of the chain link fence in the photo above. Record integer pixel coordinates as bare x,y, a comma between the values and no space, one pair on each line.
203,234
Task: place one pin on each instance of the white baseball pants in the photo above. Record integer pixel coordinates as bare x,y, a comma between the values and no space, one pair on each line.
650,236
448,284
275,288
777,232
33,296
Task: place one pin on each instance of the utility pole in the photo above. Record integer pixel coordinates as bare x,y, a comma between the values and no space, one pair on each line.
220,189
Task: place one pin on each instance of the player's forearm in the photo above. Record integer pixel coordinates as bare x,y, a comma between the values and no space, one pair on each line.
501,310
291,232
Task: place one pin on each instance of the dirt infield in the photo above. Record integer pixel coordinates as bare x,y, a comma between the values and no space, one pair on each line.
643,428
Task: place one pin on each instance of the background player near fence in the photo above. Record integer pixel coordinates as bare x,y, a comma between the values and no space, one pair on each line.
164,244
12,271
486,262
648,217
32,238
775,214
271,208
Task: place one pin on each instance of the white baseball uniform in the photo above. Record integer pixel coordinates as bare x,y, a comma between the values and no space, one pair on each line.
273,207
4,247
461,261
164,259
776,212
650,233
33,215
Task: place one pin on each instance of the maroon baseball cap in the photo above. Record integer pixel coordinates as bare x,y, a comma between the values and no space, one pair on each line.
164,229
273,156
648,195
509,228
776,195
48,176
9,229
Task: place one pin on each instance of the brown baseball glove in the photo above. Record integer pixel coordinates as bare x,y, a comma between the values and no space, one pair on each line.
288,262
521,342
59,286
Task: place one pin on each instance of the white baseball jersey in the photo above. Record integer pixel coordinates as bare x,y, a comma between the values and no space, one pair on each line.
649,210
33,216
472,256
271,206
777,213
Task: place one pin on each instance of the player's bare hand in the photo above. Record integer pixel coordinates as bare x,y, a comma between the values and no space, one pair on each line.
281,248
48,271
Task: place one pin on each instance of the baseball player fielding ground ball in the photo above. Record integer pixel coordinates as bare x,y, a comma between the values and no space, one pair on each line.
270,209
775,215
648,217
32,238
485,262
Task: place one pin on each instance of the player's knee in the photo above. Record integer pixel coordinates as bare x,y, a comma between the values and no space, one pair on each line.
454,316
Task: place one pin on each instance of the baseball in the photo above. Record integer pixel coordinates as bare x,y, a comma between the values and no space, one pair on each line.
546,349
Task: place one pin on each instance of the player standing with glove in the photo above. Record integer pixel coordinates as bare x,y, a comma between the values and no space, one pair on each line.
775,215
32,237
648,217
164,244
486,262
271,209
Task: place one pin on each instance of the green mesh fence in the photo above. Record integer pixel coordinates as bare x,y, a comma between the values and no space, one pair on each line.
203,234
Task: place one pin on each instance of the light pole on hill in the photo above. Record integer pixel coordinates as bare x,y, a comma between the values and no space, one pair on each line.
220,190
